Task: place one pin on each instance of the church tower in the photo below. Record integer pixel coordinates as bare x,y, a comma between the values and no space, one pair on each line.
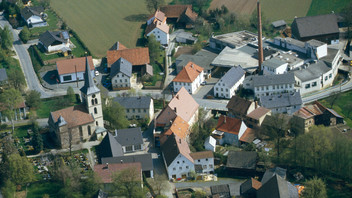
91,98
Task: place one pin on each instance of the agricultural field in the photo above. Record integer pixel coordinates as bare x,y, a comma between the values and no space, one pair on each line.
101,23
241,7
326,6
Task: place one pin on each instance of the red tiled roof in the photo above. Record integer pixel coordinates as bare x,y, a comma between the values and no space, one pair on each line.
159,15
304,113
229,125
256,184
157,24
106,172
136,56
189,73
202,155
179,127
184,104
67,66
74,116
188,16
174,11
248,136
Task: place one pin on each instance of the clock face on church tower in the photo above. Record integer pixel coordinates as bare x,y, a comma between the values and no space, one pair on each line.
93,96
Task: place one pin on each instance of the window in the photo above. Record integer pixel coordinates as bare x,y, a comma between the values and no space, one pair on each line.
95,110
174,169
145,111
118,75
120,80
96,101
314,84
178,162
127,110
198,160
221,89
125,80
180,168
273,86
216,89
205,166
206,159
96,123
326,78
187,167
262,88
330,75
115,81
89,130
267,87
128,148
137,147
307,86
92,101
210,166
139,110
183,161
133,110
67,78
227,89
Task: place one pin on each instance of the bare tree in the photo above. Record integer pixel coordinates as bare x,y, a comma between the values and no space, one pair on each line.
334,96
159,184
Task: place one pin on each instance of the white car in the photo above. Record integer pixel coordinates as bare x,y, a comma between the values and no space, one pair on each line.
96,73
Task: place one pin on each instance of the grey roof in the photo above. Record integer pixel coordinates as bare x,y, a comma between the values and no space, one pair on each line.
269,173
312,72
232,76
3,75
329,58
282,100
145,159
122,65
316,25
109,147
315,43
243,56
185,35
49,37
169,149
235,39
265,80
131,136
27,12
218,189
142,102
242,159
291,41
202,58
273,63
115,46
278,23
277,187
89,86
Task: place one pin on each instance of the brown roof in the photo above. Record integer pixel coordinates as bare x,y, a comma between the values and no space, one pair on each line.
202,155
248,136
183,104
20,105
106,172
179,127
258,113
239,105
256,184
189,73
136,56
67,66
188,16
174,11
157,24
304,113
159,15
229,125
74,116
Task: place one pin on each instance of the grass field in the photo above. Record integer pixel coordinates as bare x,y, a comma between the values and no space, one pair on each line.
37,190
52,104
101,23
326,6
286,10
242,7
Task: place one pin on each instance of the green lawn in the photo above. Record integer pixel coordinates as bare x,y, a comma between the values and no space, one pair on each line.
101,23
37,190
339,105
52,21
49,105
286,10
326,6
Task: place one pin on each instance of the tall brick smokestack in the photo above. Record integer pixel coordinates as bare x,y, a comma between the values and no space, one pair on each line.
260,42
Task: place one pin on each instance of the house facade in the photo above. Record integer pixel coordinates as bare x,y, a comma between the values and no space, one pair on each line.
34,16
137,107
274,66
156,25
121,74
130,139
190,77
55,41
229,130
71,70
20,112
229,83
203,162
284,103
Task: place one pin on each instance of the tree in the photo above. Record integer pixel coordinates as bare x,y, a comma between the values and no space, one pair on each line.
334,96
25,34
33,99
71,95
6,38
348,108
16,78
158,184
37,140
127,183
90,184
154,48
115,115
11,99
8,189
314,188
45,3
21,170
153,5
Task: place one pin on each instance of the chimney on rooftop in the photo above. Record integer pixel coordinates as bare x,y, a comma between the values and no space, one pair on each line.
179,140
121,161
107,165
175,109
260,42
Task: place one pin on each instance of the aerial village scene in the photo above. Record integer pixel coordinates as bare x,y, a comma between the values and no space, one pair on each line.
175,98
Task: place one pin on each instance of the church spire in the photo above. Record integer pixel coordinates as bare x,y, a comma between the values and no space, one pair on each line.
89,86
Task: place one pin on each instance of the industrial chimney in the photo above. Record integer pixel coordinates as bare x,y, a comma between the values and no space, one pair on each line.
260,42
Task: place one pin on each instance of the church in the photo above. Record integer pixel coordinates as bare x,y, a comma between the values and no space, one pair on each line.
80,123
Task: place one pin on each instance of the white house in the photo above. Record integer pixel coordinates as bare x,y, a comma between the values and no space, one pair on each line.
121,74
190,77
34,16
229,83
229,130
210,144
141,107
157,26
270,84
55,41
177,159
203,162
274,66
71,70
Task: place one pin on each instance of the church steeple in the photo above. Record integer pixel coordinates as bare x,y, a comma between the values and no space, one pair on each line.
89,86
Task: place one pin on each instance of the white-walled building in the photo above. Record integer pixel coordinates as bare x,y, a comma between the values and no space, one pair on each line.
121,74
274,66
71,70
190,77
283,103
203,162
210,144
34,16
229,83
141,107
58,41
157,26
